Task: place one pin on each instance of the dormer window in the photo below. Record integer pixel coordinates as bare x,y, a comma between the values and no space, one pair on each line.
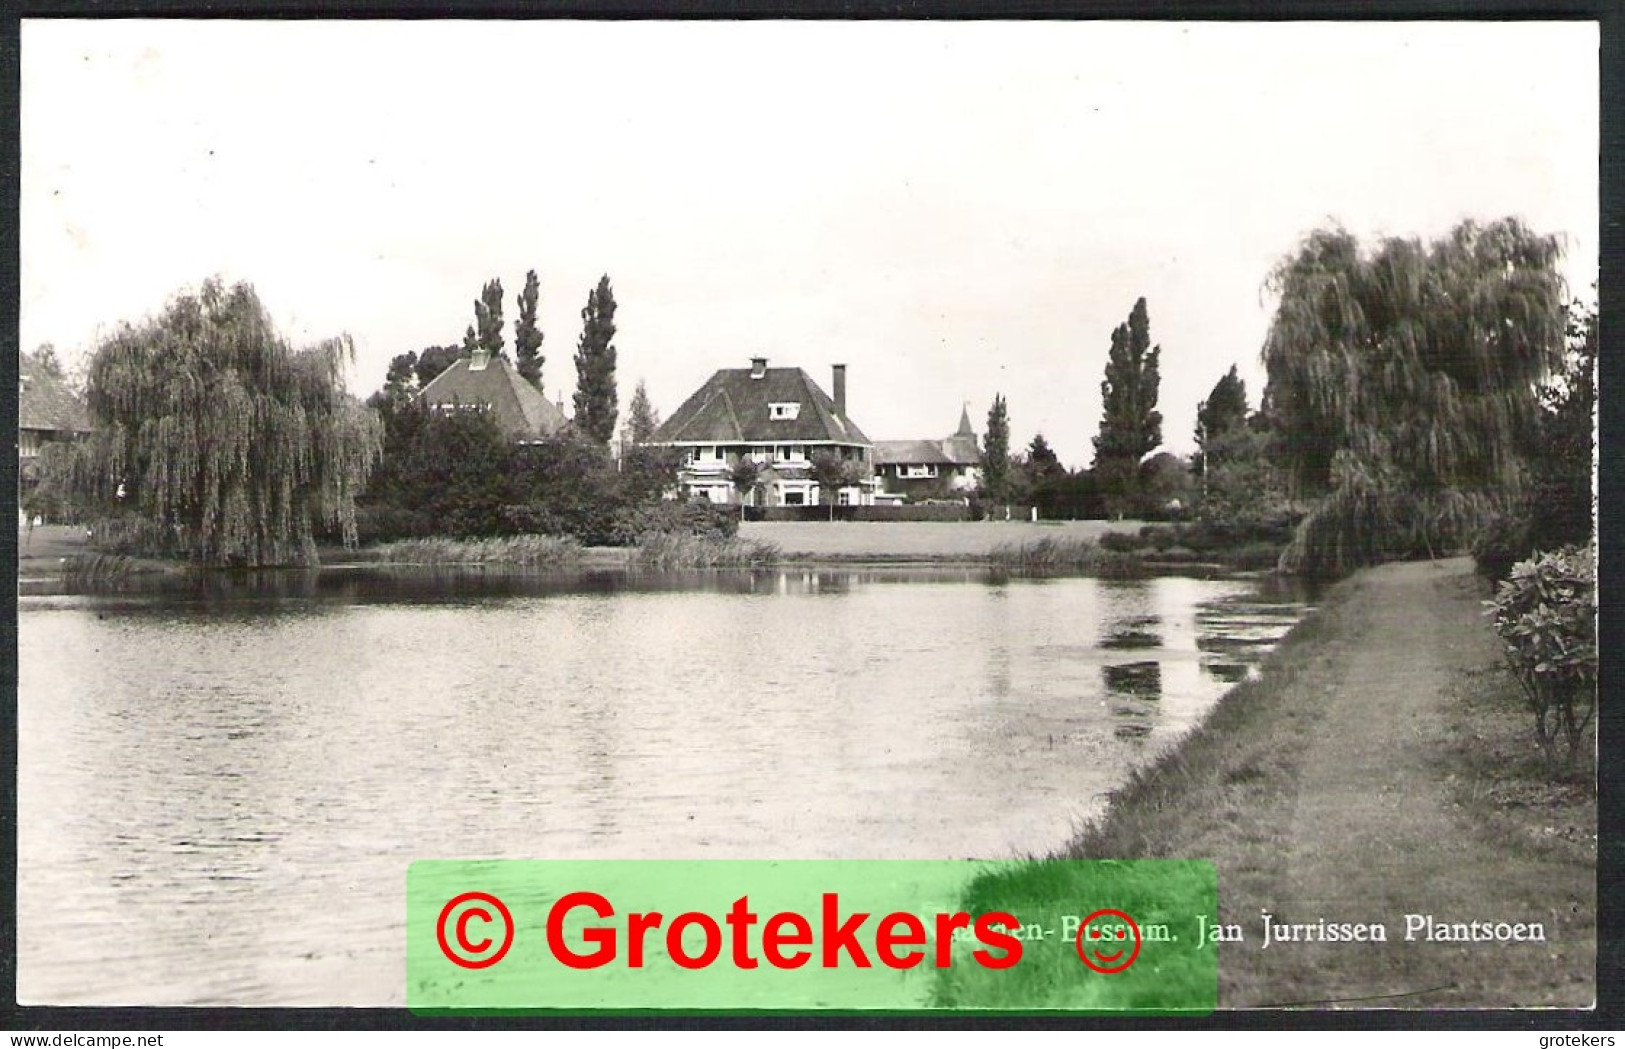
783,410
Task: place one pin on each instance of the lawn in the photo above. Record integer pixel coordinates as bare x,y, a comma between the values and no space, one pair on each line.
916,540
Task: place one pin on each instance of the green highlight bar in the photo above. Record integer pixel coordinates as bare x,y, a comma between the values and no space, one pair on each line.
898,936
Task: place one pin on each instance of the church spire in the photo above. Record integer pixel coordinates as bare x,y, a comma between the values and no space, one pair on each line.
964,423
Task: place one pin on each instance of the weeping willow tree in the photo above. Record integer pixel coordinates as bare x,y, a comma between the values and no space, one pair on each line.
219,439
1405,384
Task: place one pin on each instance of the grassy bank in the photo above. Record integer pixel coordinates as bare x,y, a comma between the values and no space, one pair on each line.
62,553
1017,546
915,541
1381,766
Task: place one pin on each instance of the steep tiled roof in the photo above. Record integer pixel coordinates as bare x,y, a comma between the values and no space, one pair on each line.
888,453
44,402
963,449
732,408
520,408
957,449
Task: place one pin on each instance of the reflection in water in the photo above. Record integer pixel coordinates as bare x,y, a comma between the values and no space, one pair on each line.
220,788
1132,632
1142,681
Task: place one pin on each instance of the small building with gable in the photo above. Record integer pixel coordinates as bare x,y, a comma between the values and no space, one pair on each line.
948,468
47,411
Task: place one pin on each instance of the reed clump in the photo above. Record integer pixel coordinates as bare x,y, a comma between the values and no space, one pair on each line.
667,550
528,551
1062,553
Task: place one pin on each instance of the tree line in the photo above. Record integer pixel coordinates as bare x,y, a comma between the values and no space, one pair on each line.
1125,479
1421,399
595,401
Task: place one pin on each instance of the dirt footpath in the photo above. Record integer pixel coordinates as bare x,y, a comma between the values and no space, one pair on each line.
1375,830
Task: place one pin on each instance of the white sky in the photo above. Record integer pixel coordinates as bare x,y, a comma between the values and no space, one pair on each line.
951,209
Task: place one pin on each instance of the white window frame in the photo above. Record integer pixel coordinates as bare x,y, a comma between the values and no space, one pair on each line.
784,411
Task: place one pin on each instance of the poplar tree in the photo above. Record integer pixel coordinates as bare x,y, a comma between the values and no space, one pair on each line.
488,319
1130,425
527,337
595,407
996,451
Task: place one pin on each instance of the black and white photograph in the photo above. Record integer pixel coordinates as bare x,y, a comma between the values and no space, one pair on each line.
573,440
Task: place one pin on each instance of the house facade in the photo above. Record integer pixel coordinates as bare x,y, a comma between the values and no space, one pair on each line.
942,469
779,419
484,383
47,411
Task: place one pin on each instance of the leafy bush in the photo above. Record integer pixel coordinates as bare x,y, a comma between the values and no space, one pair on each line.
1123,542
383,523
458,476
1160,537
954,511
544,519
1502,541
703,520
1076,496
1561,507
1546,615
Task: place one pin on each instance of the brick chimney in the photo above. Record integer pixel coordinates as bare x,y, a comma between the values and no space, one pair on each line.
758,367
840,389
479,360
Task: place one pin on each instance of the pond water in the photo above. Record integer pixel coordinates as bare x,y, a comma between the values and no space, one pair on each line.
220,791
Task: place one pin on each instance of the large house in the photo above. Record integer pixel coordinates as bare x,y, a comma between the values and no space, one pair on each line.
780,419
943,469
46,411
484,383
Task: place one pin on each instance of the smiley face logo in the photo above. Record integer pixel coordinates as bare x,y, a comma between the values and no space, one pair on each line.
1104,941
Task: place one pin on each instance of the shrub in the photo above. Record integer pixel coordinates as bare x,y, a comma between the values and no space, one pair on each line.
1546,615
1160,537
702,520
548,519
1123,542
1501,542
958,511
383,523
